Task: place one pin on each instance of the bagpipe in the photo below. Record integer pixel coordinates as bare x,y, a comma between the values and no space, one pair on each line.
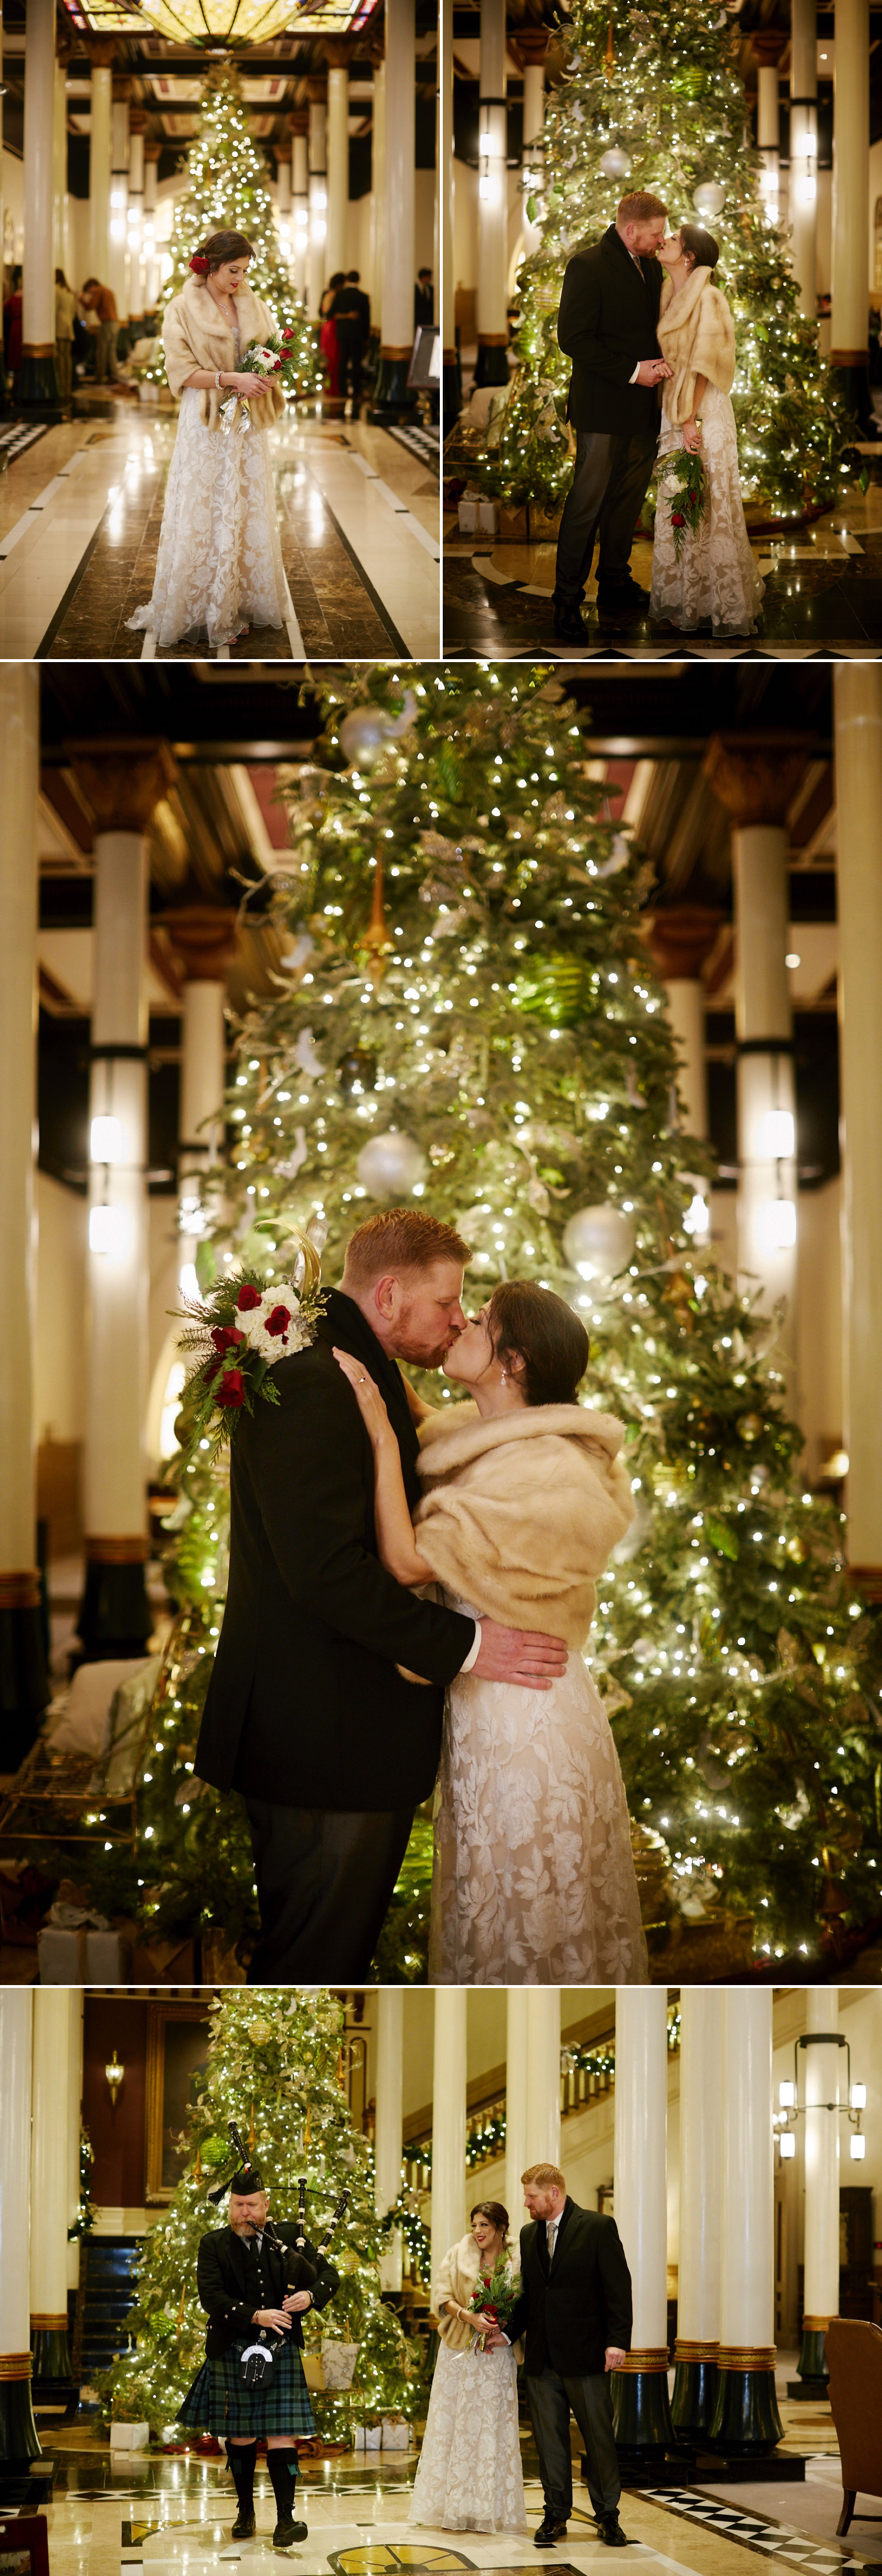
259,2358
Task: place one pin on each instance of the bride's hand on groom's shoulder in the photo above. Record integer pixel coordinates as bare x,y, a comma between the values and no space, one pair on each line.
367,1396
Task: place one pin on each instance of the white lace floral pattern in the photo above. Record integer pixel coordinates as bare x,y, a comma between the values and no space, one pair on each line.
716,580
219,566
533,1880
469,2476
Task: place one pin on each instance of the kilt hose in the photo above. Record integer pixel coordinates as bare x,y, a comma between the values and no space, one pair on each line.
219,2401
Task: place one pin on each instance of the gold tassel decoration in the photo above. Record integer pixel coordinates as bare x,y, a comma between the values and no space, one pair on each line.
376,937
609,57
340,2067
181,2311
307,2134
252,2133
198,2168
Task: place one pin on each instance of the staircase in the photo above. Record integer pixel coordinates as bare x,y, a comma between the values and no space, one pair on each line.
106,2294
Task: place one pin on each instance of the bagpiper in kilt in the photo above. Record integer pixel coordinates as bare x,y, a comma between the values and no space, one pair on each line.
243,2277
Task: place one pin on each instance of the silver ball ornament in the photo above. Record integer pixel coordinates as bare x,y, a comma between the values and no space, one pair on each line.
390,1166
365,732
616,163
709,199
599,1241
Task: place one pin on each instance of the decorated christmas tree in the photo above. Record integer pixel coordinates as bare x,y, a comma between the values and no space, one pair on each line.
469,1018
654,99
276,2066
228,191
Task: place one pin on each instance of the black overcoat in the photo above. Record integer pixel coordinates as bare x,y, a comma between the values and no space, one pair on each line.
606,324
570,2312
233,2279
304,1706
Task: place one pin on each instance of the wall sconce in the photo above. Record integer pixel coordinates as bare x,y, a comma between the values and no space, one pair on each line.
792,2109
492,149
804,150
113,2076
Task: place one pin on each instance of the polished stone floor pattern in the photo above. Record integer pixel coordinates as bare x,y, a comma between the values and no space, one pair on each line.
80,514
823,597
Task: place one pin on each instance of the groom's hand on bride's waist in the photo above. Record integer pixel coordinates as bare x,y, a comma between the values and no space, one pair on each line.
519,1655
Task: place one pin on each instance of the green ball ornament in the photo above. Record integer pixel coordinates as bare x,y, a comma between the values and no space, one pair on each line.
215,2151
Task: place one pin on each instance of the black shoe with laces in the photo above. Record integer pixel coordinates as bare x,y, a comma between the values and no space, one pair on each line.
287,2531
611,2531
551,2529
568,621
244,2526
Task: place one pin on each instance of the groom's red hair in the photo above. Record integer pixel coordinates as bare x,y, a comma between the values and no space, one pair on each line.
400,1239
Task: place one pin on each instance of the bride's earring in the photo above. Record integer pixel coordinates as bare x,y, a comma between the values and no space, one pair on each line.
504,1377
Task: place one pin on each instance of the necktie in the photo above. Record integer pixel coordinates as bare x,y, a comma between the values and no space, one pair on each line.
551,2228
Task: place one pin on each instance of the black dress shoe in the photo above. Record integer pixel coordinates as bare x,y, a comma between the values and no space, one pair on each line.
550,2530
568,622
286,2532
624,607
611,2531
244,2526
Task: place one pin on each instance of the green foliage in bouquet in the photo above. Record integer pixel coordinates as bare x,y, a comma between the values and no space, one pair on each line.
498,2296
689,498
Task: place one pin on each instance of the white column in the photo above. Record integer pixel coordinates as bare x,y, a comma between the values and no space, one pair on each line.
300,212
640,2167
543,2075
378,182
804,149
203,1071
151,261
686,1011
318,204
388,2133
16,2029
114,1466
448,2120
446,185
19,1586
136,224
851,181
119,206
532,154
858,712
49,2182
397,278
746,2411
698,2282
338,161
768,136
76,2000
38,311
824,2075
99,171
767,1202
59,170
283,206
517,2157
492,196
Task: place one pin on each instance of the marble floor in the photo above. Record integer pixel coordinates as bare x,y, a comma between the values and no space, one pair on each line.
823,596
80,513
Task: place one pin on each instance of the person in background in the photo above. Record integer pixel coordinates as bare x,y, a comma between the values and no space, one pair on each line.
100,299
351,315
12,325
328,341
65,309
423,299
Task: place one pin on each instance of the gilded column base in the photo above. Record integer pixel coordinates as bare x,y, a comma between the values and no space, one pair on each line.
50,2354
36,383
392,398
641,2410
24,1681
745,2417
696,2379
115,1618
813,2377
19,2440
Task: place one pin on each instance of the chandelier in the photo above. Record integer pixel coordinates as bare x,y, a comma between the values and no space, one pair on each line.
233,26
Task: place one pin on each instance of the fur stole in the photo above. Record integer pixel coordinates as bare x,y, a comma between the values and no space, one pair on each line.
519,1512
696,334
195,334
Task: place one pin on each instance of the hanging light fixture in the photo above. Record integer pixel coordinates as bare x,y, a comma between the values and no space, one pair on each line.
234,25
790,2108
113,2077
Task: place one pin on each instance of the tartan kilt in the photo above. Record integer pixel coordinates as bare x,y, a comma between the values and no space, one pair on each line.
219,2401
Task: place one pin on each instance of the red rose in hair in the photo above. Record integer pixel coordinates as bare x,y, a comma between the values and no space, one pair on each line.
199,263
247,1298
279,1320
231,1390
224,1336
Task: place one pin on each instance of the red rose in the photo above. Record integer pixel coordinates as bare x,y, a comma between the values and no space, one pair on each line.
232,1388
247,1298
199,263
279,1320
277,366
224,1336
677,519
287,336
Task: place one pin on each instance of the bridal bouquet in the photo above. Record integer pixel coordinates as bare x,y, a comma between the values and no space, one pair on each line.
688,503
240,1332
497,2297
271,358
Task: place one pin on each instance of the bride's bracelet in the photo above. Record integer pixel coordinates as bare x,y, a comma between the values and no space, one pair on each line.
218,381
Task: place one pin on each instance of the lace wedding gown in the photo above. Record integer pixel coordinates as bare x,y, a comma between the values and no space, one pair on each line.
219,567
716,581
469,2476
533,1881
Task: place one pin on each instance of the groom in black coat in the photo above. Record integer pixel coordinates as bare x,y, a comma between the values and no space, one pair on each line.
607,321
307,1712
575,2310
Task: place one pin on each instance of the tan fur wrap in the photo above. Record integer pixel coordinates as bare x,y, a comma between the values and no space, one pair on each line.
194,334
696,334
457,2274
519,1513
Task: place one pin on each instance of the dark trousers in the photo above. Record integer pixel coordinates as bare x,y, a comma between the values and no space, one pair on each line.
324,1882
351,354
608,489
551,2401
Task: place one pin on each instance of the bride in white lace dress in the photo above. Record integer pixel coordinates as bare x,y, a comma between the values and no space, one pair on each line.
469,2476
525,1493
716,583
219,568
